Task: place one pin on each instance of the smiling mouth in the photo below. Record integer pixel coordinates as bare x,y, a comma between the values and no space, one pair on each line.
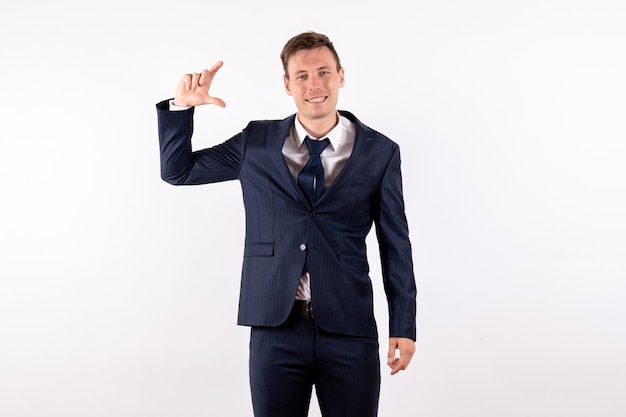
316,99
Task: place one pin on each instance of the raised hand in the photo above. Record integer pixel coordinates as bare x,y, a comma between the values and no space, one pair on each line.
193,89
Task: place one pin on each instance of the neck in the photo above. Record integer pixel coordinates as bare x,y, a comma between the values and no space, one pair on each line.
318,128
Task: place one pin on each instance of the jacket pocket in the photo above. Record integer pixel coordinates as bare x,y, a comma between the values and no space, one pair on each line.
358,263
259,249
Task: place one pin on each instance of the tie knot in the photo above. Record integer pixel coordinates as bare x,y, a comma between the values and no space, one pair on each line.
316,146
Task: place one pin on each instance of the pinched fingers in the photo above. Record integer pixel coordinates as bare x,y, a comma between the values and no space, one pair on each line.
398,364
400,353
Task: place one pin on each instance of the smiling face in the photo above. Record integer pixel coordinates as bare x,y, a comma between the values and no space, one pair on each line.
313,81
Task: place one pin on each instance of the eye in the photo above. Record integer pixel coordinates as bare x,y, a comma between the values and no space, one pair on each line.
301,77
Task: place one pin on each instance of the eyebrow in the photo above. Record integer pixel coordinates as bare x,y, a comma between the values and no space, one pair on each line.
325,67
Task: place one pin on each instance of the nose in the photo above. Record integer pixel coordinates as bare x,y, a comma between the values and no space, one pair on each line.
314,82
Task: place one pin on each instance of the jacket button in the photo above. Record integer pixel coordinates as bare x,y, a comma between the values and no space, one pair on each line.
302,247
311,214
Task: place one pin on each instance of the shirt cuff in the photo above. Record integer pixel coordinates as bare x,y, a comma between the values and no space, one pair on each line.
174,107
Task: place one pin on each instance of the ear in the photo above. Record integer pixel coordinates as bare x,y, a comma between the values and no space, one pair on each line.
286,81
342,78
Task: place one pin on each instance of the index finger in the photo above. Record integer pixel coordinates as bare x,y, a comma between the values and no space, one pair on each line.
206,77
400,363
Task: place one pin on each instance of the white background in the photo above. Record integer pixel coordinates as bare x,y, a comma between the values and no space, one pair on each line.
118,292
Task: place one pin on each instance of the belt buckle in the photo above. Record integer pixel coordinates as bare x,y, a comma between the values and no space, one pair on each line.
308,309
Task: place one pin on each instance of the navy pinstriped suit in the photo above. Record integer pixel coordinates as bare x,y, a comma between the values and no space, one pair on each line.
283,231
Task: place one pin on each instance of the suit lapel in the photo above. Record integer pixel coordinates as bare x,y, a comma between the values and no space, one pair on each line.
275,141
363,138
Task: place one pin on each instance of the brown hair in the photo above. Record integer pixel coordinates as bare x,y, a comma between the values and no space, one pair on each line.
306,40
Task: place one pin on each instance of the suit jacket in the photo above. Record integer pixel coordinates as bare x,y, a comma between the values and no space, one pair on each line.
284,232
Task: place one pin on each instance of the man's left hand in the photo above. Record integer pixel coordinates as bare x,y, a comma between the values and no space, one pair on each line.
405,348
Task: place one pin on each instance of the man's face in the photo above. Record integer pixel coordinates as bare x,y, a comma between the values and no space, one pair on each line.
314,83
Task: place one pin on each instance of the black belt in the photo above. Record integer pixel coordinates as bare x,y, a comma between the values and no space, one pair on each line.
302,308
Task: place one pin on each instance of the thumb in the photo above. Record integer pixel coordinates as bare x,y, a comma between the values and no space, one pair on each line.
214,100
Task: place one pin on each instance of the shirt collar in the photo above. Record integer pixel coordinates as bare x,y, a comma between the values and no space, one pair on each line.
334,136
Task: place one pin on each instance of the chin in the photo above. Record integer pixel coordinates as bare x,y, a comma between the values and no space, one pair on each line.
319,114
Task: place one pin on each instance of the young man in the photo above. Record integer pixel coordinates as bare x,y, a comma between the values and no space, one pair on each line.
313,184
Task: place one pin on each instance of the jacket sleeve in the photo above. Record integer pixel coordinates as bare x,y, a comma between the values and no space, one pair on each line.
180,165
395,251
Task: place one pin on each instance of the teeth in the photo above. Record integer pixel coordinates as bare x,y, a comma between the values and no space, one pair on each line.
316,100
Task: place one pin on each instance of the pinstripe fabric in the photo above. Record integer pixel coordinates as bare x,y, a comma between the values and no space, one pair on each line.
283,231
286,361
